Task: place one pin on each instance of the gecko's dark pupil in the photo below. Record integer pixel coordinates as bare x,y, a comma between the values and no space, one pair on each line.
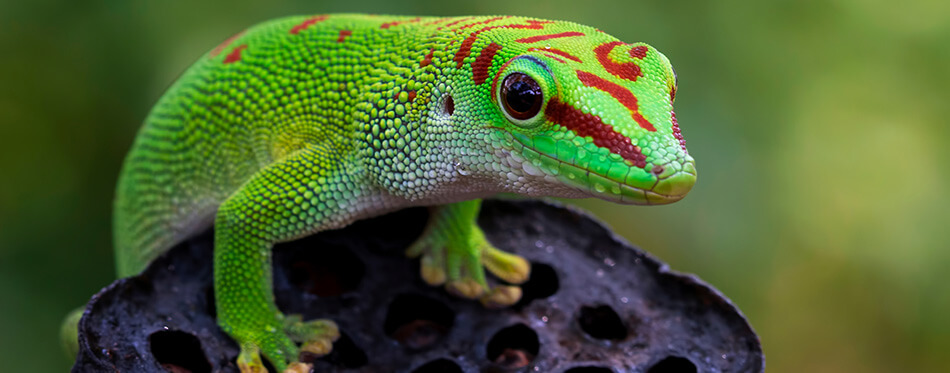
521,96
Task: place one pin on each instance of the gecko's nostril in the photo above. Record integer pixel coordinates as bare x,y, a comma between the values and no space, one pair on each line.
658,169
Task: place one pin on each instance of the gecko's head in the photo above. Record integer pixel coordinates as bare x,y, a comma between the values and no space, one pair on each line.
584,111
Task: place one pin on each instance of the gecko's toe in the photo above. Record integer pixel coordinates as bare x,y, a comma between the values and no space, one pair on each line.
298,367
465,288
501,296
509,267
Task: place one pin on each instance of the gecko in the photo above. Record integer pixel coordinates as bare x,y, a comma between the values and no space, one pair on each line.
308,123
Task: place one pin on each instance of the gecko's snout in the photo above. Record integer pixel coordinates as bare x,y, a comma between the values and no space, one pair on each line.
673,183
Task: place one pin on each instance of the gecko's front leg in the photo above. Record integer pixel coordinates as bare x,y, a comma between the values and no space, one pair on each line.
287,199
454,250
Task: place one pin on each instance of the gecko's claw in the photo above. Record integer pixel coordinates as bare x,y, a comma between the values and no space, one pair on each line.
501,296
298,367
277,344
317,336
455,253
509,267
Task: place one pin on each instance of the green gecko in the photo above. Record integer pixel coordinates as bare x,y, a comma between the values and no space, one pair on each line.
304,124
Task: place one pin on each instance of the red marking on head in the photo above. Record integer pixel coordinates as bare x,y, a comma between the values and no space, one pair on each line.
603,134
554,57
466,47
676,132
343,35
428,59
619,93
307,23
537,38
483,62
639,52
627,70
235,54
224,44
487,21
397,23
557,52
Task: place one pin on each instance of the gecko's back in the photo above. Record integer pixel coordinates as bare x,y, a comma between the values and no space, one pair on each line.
238,109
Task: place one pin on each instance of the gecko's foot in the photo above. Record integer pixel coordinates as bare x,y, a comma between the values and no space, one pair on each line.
457,256
316,337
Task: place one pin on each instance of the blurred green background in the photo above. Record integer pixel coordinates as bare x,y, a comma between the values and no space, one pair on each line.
819,129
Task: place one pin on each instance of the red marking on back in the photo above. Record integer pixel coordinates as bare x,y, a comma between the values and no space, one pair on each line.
537,38
639,52
436,21
412,95
224,44
483,62
466,47
428,59
619,93
557,52
627,70
455,22
397,23
487,21
603,134
343,35
676,132
307,23
235,54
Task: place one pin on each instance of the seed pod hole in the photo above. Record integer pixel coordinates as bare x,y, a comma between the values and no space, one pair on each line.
178,351
417,321
602,322
673,364
439,366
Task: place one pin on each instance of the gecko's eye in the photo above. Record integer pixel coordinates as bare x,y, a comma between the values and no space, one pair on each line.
521,96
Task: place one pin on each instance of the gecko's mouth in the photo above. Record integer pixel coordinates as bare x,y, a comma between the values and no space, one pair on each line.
665,189
667,183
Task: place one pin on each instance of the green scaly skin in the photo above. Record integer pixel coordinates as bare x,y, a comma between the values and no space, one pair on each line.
304,124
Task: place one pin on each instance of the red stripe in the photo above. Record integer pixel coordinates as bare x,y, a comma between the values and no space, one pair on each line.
555,57
627,70
307,23
397,23
437,21
602,134
535,39
619,93
557,52
343,35
224,44
466,47
483,63
487,21
455,22
676,132
428,59
235,54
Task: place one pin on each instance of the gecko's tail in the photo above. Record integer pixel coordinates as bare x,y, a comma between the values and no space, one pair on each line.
69,333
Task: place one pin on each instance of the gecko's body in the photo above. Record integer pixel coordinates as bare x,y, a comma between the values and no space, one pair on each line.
304,124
